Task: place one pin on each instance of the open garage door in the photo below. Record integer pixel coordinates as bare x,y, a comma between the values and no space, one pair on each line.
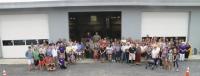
165,24
17,30
106,23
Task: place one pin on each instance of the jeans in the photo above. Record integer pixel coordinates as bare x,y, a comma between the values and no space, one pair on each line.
114,56
118,55
124,57
176,64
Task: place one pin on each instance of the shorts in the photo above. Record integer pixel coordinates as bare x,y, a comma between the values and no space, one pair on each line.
95,56
41,62
30,61
36,62
131,56
79,53
109,52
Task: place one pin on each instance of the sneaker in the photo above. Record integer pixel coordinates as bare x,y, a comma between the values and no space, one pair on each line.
177,70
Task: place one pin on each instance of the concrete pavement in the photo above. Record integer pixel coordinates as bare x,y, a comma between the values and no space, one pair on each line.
103,69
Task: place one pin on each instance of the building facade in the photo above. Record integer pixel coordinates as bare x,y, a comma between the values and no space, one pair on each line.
26,21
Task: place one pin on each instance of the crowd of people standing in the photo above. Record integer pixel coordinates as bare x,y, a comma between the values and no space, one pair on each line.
168,52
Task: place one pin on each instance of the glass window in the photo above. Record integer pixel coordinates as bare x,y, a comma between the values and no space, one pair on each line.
7,43
41,41
29,42
19,42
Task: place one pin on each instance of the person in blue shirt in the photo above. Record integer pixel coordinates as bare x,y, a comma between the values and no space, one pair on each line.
79,50
29,56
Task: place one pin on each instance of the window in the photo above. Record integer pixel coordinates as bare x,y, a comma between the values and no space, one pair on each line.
29,42
7,43
19,42
41,41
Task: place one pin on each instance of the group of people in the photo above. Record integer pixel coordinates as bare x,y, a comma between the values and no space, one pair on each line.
168,52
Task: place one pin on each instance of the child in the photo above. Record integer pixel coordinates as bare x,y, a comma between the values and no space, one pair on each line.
42,60
175,59
62,62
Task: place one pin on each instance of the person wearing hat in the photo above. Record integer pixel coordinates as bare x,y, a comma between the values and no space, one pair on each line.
132,51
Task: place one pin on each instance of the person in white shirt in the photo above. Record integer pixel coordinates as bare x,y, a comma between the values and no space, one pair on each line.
74,47
143,48
155,53
55,53
109,51
124,48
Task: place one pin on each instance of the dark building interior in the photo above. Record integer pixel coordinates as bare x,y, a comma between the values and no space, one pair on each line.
107,24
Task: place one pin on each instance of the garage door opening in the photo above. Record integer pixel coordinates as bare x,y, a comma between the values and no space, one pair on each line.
107,24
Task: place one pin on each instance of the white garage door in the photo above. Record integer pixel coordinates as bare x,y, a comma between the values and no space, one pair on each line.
22,27
165,24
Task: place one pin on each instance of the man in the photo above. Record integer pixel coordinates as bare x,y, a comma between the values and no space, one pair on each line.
79,50
96,37
88,37
155,53
124,56
132,51
117,51
36,57
29,56
182,50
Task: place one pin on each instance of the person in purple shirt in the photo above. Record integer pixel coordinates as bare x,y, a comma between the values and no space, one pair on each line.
88,37
182,50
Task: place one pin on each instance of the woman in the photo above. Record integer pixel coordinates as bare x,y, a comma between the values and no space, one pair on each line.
164,57
170,59
175,59
138,54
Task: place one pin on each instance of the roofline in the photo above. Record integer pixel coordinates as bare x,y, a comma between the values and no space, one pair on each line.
73,4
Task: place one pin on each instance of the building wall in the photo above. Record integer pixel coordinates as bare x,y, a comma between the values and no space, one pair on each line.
194,29
131,20
58,25
0,44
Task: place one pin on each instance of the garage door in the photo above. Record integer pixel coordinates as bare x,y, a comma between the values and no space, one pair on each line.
165,24
16,29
